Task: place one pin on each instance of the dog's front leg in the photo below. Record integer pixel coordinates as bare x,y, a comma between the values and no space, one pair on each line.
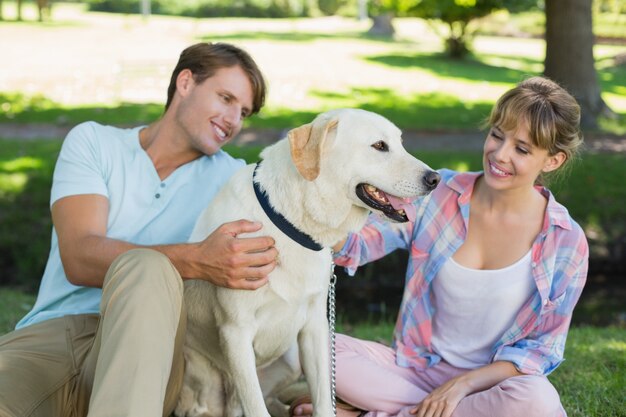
238,351
315,355
277,377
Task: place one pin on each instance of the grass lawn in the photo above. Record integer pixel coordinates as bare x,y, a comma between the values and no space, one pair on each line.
310,64
591,381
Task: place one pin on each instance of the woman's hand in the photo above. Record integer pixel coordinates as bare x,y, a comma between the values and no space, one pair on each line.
442,401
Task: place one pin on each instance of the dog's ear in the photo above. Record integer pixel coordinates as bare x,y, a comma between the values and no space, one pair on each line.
306,144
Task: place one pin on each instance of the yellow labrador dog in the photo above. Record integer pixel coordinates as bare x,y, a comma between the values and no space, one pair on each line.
309,190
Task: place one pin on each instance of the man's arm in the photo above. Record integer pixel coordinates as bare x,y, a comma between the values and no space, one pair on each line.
87,253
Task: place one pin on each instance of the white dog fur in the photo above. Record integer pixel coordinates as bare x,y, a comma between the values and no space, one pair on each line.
310,178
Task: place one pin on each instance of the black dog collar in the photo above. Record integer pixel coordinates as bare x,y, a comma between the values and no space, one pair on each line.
280,221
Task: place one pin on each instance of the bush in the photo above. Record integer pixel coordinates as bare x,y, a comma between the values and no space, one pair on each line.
330,7
24,197
206,8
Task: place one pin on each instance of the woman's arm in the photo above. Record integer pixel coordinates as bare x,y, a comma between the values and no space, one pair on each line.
375,240
442,401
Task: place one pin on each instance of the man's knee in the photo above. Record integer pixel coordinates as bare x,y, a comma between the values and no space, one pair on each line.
141,263
143,273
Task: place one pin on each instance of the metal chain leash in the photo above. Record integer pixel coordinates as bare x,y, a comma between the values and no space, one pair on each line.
331,326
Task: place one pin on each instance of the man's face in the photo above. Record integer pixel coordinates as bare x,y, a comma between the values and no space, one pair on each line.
211,113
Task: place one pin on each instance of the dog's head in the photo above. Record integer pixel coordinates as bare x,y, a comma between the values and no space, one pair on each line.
360,153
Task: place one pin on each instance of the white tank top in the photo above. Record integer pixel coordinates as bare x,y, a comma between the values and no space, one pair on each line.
474,307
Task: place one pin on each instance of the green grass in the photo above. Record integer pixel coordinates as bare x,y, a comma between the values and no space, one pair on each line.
605,24
14,304
433,111
406,79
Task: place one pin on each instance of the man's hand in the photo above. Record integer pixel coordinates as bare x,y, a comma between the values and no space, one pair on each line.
227,260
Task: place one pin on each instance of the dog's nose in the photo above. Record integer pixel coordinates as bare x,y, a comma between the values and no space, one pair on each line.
431,179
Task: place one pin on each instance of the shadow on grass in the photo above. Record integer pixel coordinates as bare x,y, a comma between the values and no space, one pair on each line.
474,67
424,111
20,108
438,64
432,111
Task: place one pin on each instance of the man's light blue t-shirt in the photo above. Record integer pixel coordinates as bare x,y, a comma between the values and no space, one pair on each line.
144,210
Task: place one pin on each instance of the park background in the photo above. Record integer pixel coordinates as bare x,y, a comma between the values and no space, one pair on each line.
110,61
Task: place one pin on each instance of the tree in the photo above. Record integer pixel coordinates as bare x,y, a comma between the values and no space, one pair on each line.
382,13
44,9
456,14
569,55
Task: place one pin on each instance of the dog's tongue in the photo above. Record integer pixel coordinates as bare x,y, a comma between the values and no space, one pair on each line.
404,204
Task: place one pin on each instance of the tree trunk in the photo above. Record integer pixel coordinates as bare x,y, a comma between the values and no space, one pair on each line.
569,55
457,41
41,9
382,25
19,10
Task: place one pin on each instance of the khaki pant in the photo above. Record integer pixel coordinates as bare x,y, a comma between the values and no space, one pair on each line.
127,361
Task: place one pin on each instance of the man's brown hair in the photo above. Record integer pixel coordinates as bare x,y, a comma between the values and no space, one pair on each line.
204,59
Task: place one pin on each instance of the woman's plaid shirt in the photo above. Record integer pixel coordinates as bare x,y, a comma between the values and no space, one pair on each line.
536,341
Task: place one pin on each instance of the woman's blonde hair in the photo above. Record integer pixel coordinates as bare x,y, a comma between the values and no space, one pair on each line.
552,115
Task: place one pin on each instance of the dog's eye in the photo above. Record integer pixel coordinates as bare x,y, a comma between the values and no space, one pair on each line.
381,146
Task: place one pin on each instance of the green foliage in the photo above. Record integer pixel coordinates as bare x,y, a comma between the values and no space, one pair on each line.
607,24
14,304
330,7
450,11
399,8
25,180
456,14
206,8
20,108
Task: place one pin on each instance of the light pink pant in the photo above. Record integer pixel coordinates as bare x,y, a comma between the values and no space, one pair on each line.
368,378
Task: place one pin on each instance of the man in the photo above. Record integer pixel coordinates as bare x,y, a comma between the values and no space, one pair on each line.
105,335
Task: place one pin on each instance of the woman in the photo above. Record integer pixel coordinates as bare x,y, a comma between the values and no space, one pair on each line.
496,267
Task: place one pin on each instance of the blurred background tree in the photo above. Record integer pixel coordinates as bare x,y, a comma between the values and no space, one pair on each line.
43,10
457,15
569,55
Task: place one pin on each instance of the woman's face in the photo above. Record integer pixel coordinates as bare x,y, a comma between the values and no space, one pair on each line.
510,160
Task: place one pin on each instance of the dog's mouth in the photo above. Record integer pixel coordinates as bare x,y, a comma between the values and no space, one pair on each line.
381,201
